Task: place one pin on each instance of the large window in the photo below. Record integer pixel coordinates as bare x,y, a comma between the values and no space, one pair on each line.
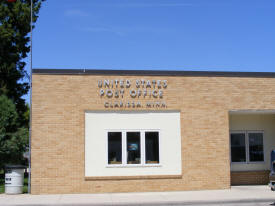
133,148
152,147
256,147
247,146
238,153
114,147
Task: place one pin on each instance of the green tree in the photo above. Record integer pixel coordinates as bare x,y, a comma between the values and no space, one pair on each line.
13,139
15,28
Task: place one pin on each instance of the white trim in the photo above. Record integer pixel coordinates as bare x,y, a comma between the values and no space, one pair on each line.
97,125
124,148
246,133
142,148
160,146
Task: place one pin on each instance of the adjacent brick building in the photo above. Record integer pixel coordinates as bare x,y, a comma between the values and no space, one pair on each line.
96,131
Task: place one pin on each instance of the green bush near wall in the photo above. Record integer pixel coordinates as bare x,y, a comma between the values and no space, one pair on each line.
2,181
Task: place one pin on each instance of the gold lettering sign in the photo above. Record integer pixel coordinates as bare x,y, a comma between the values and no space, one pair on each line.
116,90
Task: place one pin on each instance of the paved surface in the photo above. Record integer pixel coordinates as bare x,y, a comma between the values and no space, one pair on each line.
237,195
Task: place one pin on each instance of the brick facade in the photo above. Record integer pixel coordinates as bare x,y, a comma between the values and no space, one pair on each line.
58,106
250,178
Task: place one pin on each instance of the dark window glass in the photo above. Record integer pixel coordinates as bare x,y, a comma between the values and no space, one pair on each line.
133,148
238,153
256,148
152,147
114,147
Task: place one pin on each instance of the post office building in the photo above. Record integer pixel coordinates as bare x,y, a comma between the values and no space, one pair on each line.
98,131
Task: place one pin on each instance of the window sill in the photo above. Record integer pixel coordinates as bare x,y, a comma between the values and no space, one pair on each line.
248,163
133,165
135,177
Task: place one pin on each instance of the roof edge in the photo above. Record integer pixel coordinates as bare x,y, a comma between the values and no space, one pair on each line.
151,73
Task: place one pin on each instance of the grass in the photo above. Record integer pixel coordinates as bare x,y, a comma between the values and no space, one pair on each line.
2,183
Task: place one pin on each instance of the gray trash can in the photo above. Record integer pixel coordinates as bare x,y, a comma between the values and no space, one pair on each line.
14,179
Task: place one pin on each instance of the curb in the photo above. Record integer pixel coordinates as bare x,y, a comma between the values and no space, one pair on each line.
161,203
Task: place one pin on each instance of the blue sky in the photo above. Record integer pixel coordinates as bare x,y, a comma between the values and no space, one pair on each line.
226,35
223,35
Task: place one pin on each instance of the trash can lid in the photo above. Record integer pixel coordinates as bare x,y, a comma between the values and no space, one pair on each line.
15,167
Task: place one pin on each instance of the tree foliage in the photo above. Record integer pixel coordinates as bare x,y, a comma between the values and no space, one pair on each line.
13,139
15,17
14,46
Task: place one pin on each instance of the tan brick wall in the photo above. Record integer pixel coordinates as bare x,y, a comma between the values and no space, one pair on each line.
59,102
250,178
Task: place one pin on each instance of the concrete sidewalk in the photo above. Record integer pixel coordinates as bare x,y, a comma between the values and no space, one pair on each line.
236,195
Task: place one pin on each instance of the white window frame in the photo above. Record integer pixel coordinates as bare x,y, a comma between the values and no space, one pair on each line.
247,132
142,148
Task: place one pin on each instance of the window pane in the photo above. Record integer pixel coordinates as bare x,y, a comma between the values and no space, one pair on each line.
114,148
238,147
133,148
256,148
152,147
